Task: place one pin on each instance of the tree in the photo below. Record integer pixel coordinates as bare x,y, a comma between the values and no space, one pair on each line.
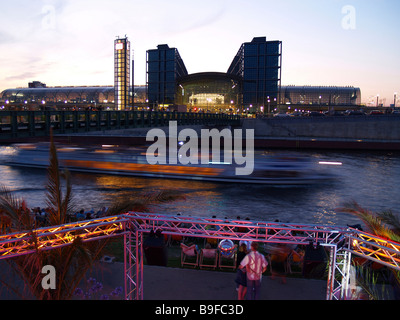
71,262
383,224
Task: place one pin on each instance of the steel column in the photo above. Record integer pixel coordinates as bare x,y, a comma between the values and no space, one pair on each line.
331,273
339,274
133,246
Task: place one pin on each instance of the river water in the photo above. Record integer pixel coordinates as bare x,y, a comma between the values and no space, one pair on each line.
370,178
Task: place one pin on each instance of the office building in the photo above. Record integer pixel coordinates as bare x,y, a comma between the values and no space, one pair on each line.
258,63
164,67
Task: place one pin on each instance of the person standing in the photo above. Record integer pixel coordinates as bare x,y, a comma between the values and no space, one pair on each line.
255,264
241,278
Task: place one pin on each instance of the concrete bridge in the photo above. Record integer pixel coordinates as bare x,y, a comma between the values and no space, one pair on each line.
372,132
17,125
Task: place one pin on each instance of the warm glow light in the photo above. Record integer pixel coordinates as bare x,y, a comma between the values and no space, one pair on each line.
119,46
331,163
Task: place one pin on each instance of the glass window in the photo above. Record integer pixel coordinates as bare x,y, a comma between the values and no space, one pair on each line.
250,74
153,77
250,62
153,67
273,61
261,61
170,76
272,74
261,49
273,48
170,54
249,86
153,55
250,49
170,65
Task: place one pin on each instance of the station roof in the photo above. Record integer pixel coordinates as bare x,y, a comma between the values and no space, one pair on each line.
201,76
318,89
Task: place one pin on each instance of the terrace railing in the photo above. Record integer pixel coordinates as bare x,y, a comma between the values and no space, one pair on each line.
341,242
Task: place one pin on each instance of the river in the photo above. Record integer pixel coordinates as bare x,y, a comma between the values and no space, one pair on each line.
370,178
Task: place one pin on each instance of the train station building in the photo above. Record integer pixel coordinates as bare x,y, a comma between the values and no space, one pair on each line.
252,84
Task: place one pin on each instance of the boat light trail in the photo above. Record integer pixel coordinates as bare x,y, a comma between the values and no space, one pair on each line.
331,163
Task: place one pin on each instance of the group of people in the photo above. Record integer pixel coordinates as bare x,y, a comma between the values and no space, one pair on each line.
87,215
252,264
41,215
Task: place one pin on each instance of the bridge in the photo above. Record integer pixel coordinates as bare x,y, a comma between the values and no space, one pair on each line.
341,242
27,124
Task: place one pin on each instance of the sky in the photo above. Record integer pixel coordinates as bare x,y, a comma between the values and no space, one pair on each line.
325,42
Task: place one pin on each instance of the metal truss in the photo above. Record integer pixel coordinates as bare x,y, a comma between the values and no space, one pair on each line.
374,248
133,262
238,229
18,244
342,242
338,274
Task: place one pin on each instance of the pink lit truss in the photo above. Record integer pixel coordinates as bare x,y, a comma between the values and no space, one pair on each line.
17,244
341,242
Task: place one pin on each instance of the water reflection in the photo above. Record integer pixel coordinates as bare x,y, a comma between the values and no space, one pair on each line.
371,179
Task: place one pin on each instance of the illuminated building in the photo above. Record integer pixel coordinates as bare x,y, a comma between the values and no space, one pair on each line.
122,49
252,80
320,95
215,92
251,84
95,96
259,63
164,67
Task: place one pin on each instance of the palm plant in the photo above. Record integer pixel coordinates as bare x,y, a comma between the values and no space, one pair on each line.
71,262
384,224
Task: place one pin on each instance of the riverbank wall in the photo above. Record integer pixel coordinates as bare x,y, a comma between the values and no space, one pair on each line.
378,128
338,133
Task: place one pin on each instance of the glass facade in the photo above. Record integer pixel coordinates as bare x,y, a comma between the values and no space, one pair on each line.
258,63
164,68
210,92
122,49
319,95
68,95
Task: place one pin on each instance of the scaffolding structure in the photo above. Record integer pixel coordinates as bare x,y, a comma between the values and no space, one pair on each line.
341,242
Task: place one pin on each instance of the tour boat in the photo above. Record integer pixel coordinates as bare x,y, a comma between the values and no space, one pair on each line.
268,170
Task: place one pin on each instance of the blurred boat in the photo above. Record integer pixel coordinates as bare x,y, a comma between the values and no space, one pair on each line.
269,170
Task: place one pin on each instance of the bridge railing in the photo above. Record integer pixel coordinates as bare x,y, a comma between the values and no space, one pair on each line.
38,123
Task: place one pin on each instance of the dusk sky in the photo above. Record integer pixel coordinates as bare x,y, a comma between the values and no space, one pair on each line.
325,42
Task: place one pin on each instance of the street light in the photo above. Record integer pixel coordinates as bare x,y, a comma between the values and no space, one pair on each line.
377,100
394,102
